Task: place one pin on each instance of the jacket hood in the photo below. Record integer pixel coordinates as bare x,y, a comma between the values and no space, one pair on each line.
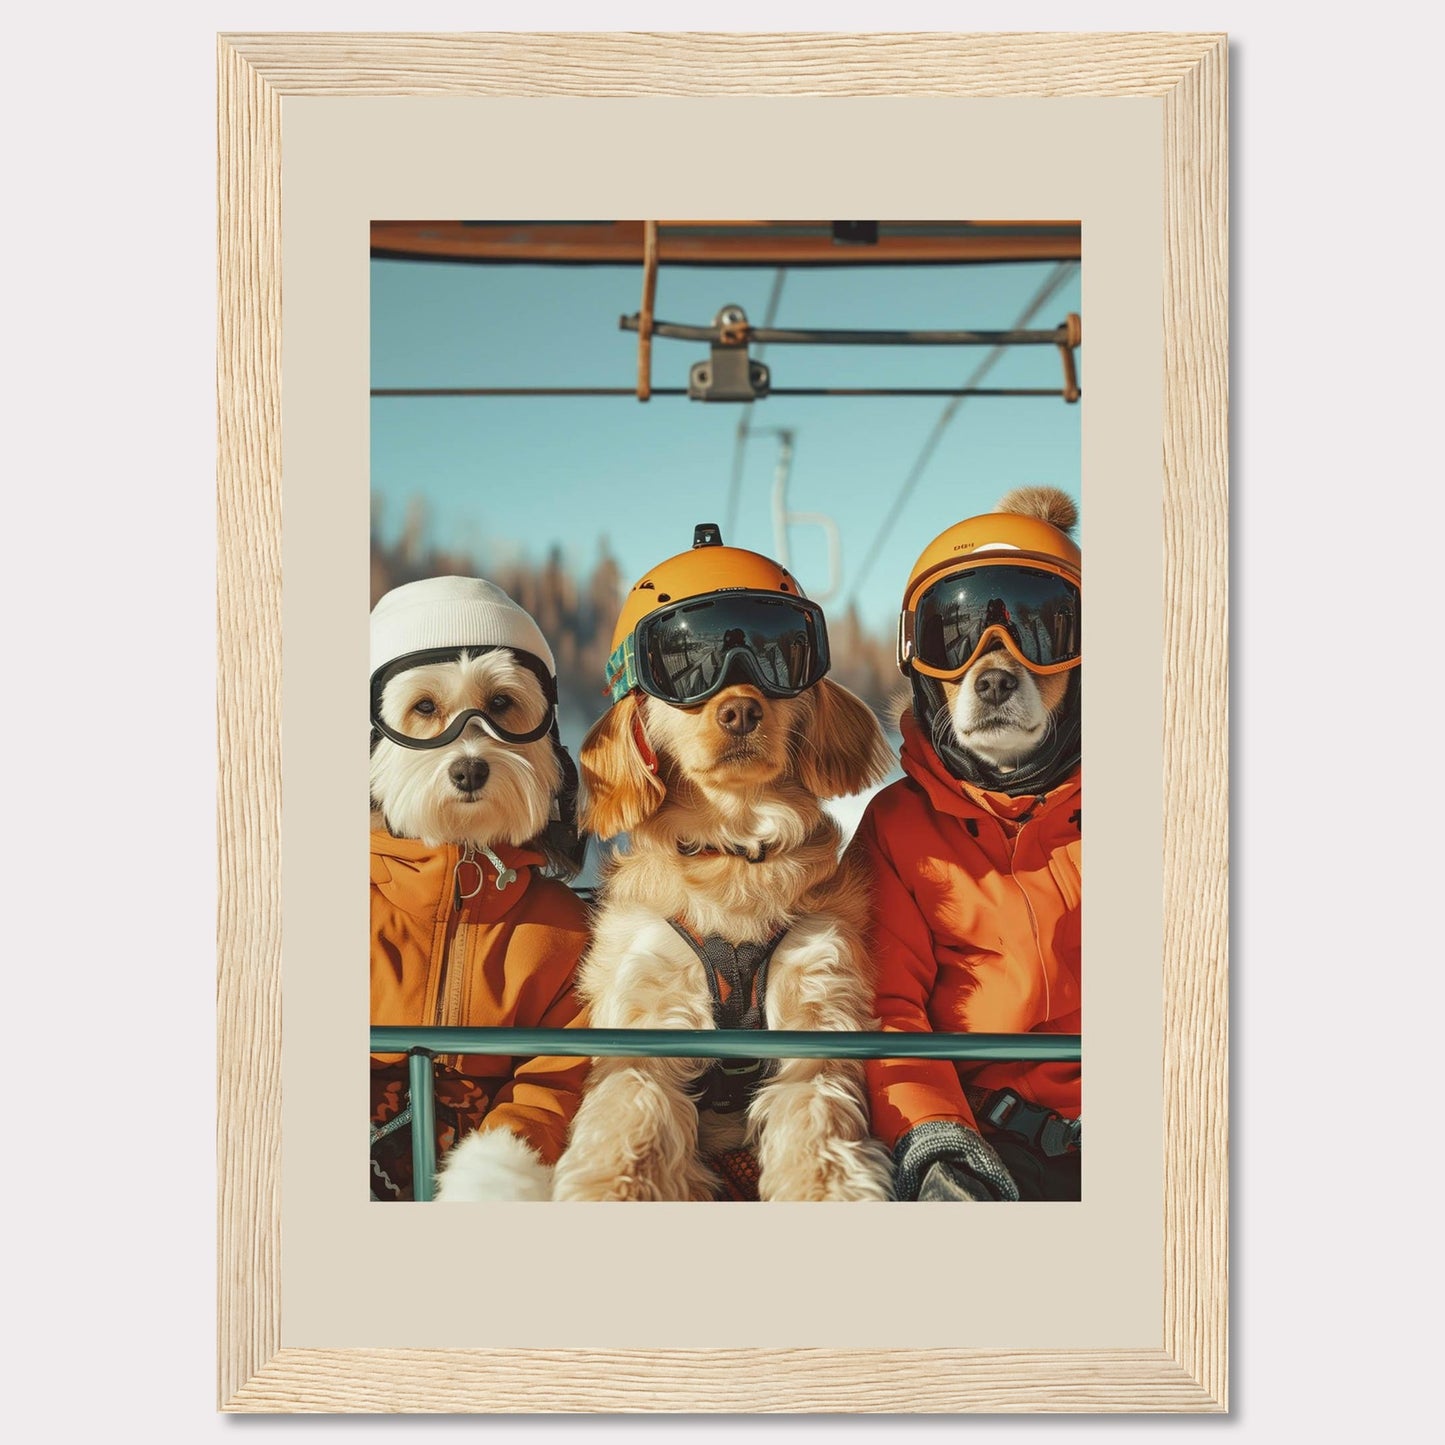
416,877
959,797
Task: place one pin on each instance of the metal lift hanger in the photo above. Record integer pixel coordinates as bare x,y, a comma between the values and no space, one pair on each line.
731,374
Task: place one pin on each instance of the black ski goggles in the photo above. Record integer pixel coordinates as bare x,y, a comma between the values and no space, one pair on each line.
1033,612
459,724
685,653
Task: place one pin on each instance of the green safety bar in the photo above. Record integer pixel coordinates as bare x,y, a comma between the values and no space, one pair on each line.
420,1044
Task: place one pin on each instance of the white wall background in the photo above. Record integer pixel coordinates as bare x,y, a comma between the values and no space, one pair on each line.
108,340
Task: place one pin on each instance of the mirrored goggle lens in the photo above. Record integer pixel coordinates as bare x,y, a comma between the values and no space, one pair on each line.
687,652
1040,613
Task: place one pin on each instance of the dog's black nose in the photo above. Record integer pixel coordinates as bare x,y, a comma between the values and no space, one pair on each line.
996,686
740,715
468,774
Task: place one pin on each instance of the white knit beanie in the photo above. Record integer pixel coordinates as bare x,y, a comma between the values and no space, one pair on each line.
451,612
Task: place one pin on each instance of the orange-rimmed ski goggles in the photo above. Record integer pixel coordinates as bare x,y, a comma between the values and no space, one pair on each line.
1033,611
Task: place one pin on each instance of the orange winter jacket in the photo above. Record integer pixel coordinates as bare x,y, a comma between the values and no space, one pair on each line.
503,958
975,929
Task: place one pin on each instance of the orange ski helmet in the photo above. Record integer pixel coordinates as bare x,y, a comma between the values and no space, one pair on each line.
1036,563
688,620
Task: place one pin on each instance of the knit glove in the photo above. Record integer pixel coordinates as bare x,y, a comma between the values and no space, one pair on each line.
946,1161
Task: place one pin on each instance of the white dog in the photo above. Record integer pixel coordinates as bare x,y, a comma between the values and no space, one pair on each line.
470,792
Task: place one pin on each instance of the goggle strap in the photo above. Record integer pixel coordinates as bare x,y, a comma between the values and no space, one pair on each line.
622,670
408,660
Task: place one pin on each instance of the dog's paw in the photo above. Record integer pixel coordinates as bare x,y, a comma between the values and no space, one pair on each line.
574,1182
813,1141
493,1164
634,1137
842,1169
624,1178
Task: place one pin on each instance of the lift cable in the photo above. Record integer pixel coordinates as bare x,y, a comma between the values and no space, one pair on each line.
1061,273
740,437
767,335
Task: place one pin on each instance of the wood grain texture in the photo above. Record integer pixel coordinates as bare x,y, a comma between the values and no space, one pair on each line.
809,63
248,599
1189,1374
796,1381
1196,722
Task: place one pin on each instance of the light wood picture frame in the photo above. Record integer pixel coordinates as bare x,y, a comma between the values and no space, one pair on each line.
1184,75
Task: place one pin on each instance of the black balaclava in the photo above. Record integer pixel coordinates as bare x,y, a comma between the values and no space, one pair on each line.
561,835
1045,769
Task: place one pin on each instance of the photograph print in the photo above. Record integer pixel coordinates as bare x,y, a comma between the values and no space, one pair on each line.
725,711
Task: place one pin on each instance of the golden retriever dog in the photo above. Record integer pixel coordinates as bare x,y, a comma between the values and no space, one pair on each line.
728,844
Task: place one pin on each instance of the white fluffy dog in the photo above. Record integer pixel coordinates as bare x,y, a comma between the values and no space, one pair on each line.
477,790
466,772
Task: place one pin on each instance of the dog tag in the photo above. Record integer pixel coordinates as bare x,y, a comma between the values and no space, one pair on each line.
505,875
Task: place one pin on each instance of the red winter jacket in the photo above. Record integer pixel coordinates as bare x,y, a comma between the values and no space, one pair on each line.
975,929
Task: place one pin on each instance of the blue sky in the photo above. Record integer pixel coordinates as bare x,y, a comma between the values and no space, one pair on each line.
506,475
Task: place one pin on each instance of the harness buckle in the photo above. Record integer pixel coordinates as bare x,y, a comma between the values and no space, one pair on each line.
1002,1108
740,1068
1044,1129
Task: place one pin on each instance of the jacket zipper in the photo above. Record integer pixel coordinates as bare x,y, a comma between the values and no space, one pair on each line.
1012,846
454,950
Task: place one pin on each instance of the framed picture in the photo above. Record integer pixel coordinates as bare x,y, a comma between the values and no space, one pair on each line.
1116,1301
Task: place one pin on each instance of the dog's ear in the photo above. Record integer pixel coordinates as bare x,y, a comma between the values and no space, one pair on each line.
619,789
840,747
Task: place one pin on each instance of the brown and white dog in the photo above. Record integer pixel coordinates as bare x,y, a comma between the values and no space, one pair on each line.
1001,711
721,805
975,858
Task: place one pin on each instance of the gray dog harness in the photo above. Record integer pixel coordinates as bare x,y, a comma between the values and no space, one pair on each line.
737,979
